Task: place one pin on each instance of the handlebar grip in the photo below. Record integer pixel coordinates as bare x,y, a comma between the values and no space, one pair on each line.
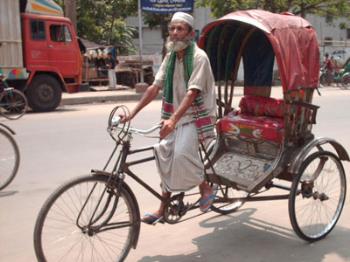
115,120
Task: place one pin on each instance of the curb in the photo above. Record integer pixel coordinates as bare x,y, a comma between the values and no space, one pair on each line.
90,97
99,97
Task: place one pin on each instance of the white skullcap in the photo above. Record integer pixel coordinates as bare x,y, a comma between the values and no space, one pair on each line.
182,17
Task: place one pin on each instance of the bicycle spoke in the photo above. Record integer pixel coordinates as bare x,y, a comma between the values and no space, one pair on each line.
315,210
13,104
106,239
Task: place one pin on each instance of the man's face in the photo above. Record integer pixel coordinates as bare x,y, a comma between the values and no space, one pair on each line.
179,31
180,36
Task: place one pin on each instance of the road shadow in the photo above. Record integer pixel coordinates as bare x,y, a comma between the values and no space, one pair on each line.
241,237
8,193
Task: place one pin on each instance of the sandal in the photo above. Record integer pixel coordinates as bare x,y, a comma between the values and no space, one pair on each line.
206,202
152,219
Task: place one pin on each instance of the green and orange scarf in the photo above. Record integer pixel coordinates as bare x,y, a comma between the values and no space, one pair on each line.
204,123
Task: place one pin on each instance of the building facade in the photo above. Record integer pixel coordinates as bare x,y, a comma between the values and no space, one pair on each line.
330,32
332,38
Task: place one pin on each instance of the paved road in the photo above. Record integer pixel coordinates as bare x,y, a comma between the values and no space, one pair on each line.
63,144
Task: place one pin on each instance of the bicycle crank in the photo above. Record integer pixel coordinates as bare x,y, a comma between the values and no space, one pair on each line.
175,209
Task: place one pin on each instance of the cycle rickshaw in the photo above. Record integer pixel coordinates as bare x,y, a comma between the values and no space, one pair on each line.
267,143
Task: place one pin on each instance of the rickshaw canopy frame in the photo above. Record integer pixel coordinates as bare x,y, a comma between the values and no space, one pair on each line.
291,39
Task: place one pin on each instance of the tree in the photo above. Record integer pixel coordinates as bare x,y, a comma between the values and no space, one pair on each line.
103,21
162,20
334,8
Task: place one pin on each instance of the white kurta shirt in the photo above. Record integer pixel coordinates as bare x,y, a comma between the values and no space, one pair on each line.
201,79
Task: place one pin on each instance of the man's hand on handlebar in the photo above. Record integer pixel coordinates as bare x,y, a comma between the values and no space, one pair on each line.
125,118
168,126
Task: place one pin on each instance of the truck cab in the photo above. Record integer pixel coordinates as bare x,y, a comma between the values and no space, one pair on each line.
39,51
52,57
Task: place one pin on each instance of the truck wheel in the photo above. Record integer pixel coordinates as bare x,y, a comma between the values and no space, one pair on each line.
44,93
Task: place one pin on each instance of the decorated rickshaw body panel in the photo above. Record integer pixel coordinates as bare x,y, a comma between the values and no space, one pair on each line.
263,128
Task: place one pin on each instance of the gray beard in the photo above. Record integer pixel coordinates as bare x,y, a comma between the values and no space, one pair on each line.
176,46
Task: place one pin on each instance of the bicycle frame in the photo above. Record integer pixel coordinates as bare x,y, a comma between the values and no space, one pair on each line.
122,167
115,181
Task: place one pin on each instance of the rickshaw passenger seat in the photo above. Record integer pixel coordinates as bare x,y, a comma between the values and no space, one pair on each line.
259,118
262,106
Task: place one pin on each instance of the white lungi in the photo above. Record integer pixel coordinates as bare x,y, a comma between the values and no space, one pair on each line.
178,159
177,155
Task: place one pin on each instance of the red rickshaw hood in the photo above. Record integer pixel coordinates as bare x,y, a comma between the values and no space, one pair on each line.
293,39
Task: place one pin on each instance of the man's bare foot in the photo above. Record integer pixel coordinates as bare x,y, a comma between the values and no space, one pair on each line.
157,216
152,218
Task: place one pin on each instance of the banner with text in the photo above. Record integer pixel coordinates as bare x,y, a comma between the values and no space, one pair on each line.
167,6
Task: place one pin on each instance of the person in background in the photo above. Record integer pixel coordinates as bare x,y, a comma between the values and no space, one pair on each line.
114,53
101,64
111,63
328,65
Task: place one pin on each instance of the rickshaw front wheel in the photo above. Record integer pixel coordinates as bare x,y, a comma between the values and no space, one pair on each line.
317,196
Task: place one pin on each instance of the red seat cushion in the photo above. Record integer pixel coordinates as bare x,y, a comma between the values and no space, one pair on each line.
253,127
262,106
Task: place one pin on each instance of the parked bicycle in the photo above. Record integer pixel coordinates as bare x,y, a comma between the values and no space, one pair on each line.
9,156
13,103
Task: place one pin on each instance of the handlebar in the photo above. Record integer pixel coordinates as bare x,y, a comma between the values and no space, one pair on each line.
119,131
116,121
144,131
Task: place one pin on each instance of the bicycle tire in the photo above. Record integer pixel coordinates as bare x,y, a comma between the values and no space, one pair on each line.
9,158
315,205
52,241
345,81
13,104
226,207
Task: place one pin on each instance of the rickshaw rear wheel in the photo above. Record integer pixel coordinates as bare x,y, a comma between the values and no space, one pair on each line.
222,203
317,196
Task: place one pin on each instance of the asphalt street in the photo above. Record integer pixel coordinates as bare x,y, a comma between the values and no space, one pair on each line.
61,145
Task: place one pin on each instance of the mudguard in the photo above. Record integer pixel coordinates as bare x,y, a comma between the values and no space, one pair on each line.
317,142
138,224
133,198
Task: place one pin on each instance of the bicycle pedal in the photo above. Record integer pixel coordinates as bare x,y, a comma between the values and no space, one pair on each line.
159,220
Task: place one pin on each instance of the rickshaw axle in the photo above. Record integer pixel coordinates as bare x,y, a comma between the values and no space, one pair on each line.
321,196
252,199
